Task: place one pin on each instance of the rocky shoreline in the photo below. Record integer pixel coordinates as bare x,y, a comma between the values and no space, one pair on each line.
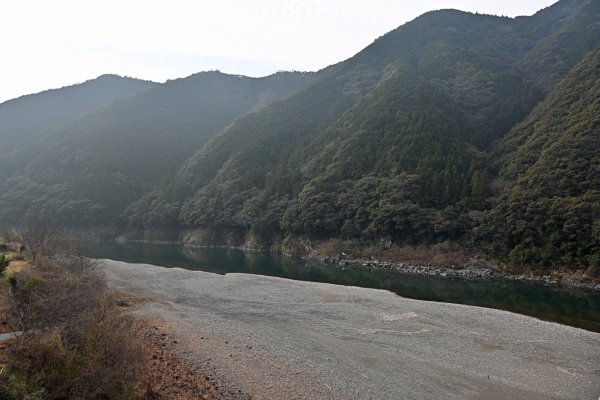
462,272
470,272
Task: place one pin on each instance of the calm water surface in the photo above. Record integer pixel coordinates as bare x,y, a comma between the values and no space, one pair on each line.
571,306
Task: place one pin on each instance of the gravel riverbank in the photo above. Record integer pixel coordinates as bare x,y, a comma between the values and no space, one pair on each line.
274,338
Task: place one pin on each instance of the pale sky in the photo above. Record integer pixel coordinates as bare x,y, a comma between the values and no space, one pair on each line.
52,43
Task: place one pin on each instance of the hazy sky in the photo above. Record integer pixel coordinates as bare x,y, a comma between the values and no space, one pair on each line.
53,43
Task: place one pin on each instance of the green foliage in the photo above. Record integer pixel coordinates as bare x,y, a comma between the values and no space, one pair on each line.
421,158
568,30
551,162
12,280
480,183
4,262
395,143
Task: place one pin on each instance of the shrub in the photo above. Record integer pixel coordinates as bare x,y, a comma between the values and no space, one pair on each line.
3,263
76,344
99,360
12,280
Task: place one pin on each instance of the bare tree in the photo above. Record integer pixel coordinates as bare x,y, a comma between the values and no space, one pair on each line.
11,236
42,238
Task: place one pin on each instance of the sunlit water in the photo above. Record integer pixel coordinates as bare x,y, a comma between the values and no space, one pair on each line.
571,306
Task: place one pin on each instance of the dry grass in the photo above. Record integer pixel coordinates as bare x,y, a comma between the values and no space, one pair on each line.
442,254
15,267
439,254
7,318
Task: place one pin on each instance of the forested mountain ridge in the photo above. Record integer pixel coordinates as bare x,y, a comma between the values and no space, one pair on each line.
28,118
396,142
569,29
549,166
97,164
451,128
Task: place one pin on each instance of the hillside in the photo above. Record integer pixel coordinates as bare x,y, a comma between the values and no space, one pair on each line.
396,142
550,170
29,118
473,131
99,163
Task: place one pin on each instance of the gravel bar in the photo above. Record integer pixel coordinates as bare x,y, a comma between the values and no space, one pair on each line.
276,338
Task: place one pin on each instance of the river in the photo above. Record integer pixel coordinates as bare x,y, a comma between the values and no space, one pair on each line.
567,305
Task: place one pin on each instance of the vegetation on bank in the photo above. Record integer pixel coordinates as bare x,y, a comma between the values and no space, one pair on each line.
548,214
70,341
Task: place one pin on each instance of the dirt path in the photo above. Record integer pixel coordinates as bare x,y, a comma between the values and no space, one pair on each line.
6,336
273,338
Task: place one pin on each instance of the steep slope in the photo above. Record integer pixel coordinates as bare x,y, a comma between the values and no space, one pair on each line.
103,161
549,212
408,157
391,143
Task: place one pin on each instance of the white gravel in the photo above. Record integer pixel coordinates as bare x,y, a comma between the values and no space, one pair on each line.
277,338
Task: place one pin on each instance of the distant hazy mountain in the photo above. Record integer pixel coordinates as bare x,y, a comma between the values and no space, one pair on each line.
437,131
29,118
92,167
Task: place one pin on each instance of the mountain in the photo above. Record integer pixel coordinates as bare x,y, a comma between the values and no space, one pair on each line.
95,165
29,118
566,32
396,143
549,165
468,131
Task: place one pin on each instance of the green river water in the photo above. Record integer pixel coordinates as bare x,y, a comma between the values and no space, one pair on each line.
566,305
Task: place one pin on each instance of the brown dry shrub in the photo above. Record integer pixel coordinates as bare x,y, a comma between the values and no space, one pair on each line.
442,254
112,357
75,342
103,361
38,361
48,298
